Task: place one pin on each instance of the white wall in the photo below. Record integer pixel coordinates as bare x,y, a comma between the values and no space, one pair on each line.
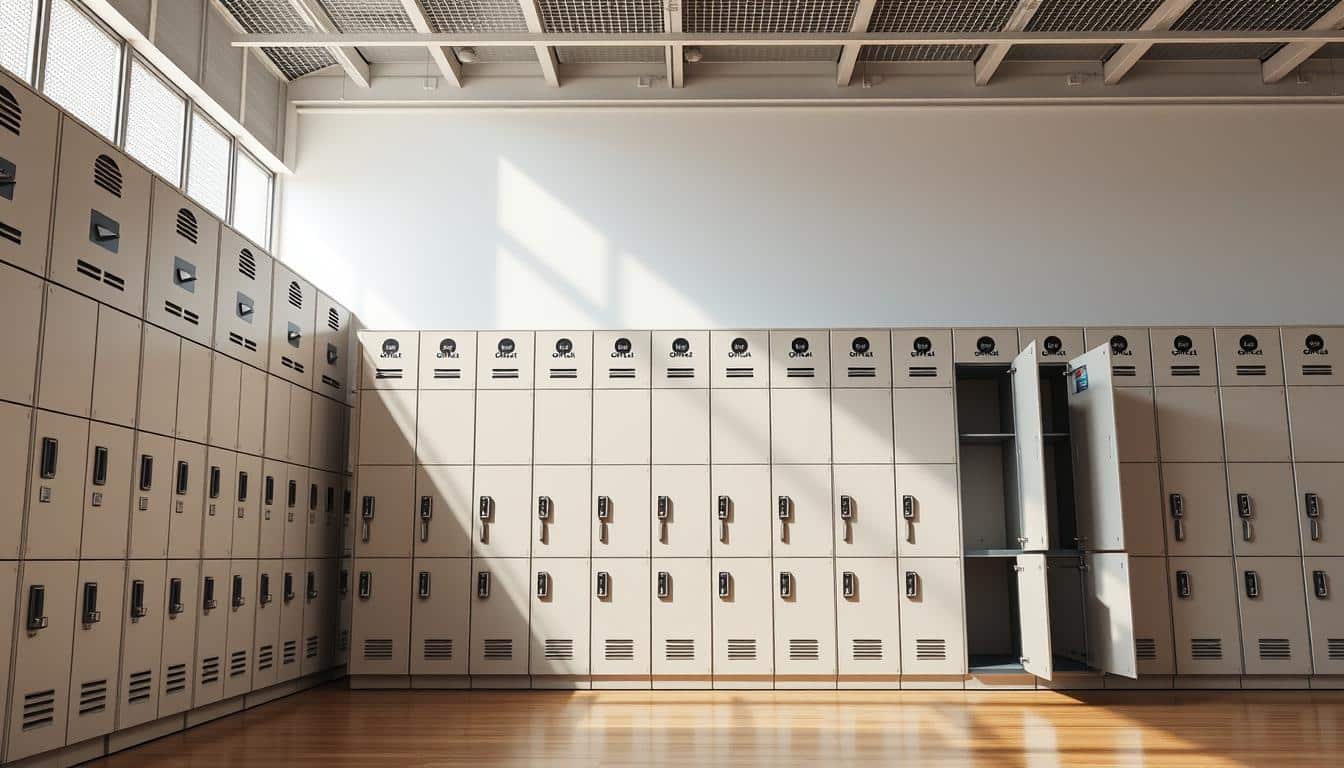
828,217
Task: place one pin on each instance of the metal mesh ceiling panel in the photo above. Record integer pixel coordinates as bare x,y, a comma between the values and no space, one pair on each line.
1091,15
278,16
737,53
368,15
474,15
797,16
504,54
1059,52
1241,15
601,16
597,54
294,63
920,52
935,16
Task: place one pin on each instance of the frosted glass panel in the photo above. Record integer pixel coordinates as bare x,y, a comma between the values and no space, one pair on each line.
155,121
83,69
252,200
208,165
16,36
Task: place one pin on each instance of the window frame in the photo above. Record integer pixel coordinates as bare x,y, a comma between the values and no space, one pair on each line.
39,83
188,105
227,214
240,151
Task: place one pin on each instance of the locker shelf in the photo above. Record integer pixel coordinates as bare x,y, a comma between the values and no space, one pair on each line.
1015,552
985,438
994,663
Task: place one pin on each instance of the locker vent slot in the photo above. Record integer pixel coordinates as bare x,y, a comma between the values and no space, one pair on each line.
681,373
498,649
1145,649
804,649
438,649
388,373
186,225
209,670
1275,649
107,175
1185,370
1252,370
333,319
559,650
1334,648
741,649
295,295
801,373
922,372
176,679
564,373
114,281
377,650
345,640
237,663
330,382
11,234
679,650
1318,370
503,373
621,373
141,687
243,341
866,650
310,647
930,649
862,373
290,363
265,657
1206,648
88,270
619,649
247,264
1124,371
92,697
185,314
38,709
290,653
11,114
741,373
447,373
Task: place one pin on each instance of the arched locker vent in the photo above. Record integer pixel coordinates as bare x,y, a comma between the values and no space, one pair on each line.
11,114
679,650
333,319
295,294
930,649
741,649
247,264
39,708
92,697
438,649
866,650
107,175
186,225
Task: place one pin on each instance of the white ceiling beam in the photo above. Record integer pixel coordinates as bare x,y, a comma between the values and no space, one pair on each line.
443,57
346,54
550,66
676,56
849,55
993,55
1160,20
1290,57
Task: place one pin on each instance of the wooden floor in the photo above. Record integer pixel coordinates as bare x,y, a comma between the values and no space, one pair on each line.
332,726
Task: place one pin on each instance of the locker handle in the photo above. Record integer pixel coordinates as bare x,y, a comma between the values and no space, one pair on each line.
785,585
908,514
311,591
785,513
484,512
90,613
1176,505
1252,580
268,494
99,465
911,584
292,494
849,586
208,601
365,585
343,582
289,587
603,585
1246,512
1319,584
264,589
1183,585
664,585
49,455
725,505
543,585
422,585
294,336
146,472
242,487
366,514
725,584
237,598
37,600
426,513
664,511
175,605
1313,508
603,517
183,476
138,609
331,501
312,497
482,584
244,309
215,477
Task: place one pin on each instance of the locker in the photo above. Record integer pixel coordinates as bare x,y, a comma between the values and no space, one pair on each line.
9,585
40,684
300,425
278,421
266,594
248,484
800,359
619,589
345,599
1204,615
212,629
141,642
996,346
503,427
682,511
116,367
680,426
1029,425
1323,577
742,511
446,425
96,650
384,511
240,592
274,497
342,502
159,359
933,640
739,359
800,426
101,222
1108,612
619,512
681,597
1263,509
803,521
183,254
1152,616
252,411
1189,425
440,616
564,427
504,360
65,381
387,423
1249,357
332,346
298,502
861,358
1141,499
293,312
28,152
1255,424
390,359
243,303
861,426
921,358
107,492
499,616
188,477
562,515
326,441
1194,499
930,516
863,503
1183,357
225,393
621,359
564,360
621,423
151,496
349,529
292,597
739,426
22,295
447,360
16,424
925,426
1272,599
503,509
1054,346
1033,617
1306,354
221,503
56,487
444,510
743,615
805,623
1320,497
558,643
177,668
1131,358
1098,488
680,359
317,629
320,507
1317,416
868,632
193,393
1136,420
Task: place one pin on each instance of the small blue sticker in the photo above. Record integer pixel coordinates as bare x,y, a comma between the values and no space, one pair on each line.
1079,380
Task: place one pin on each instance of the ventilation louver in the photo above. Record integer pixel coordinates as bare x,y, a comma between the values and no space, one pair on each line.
186,225
1145,649
866,650
265,657
559,650
310,647
333,319
39,709
438,649
931,649
498,649
247,264
1334,648
237,663
1206,648
1275,649
141,687
11,114
92,697
741,649
107,175
176,679
804,650
619,649
679,650
378,649
295,294
289,653
209,670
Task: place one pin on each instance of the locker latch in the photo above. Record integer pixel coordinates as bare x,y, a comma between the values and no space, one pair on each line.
365,515
291,499
365,585
482,584
8,178
725,584
236,599
1319,584
288,593
343,582
90,613
1176,504
426,513
104,232
603,585
49,456
911,584
603,517
725,508
785,585
208,601
1245,511
785,512
242,495
664,585
1313,506
664,512
312,503
37,614
1252,584
264,591
146,472
486,512
268,495
847,515
543,585
245,308
214,486
183,479
99,466
138,609
908,514
1183,585
422,585
543,518
849,585
175,605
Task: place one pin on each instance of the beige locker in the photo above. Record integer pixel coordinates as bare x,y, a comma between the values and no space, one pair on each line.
564,360
621,359
345,599
921,358
743,615
1274,632
390,359
9,585
151,496
868,632
1054,346
332,347
28,157
107,492
16,424
189,476
319,515
387,422
929,511
559,629
742,511
101,222
1135,422
562,515
177,668
349,504
343,502
1249,357
141,642
1306,355
329,433
1320,497
252,411
805,622
504,508
43,643
683,512
22,295
503,427
619,512
499,617
241,606
739,359
243,301
739,426
681,597
680,426
925,426
680,359
1194,497
447,360
620,622
221,504
1131,357
317,631
1255,424
183,254
800,359
266,636
863,505
1152,616
800,426
861,359
563,432
69,332
443,511
440,616
1183,357
933,635
1204,615
384,511
160,356
1317,419
300,425
212,630
861,426
504,360
1141,499
1264,513
293,312
446,424
993,346
193,393
116,367
298,502
96,651
278,400
803,521
1324,575
249,487
271,531
292,598
56,487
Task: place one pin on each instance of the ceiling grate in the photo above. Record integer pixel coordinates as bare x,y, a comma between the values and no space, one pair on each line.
776,53
474,15
504,54
601,16
920,52
593,54
1239,16
796,16
935,16
1082,16
279,17
368,15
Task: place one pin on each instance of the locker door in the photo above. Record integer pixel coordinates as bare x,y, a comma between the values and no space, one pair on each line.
861,358
56,487
1135,421
1273,616
189,474
318,514
564,426
1033,616
680,359
1264,513
682,509
1255,424
805,622
300,425
743,615
1152,616
499,617
159,358
739,426
334,527
183,253
16,424
252,411
212,630
322,432
447,360
625,530
141,642
803,522
41,681
864,505
503,426
1131,357
1030,444
1320,502
96,650
221,503
742,511
739,359
241,606
116,367
927,502
620,622
9,585
266,637
1183,357
274,488
504,360
332,345
1141,500
151,496
681,597
390,360
387,426
317,614
1249,356
504,509
22,295
921,358
243,305
278,418
680,430
440,616
1324,575
298,502
345,601
28,152
991,346
1317,415
925,426
292,598
1189,426
861,426
384,511
445,426
65,381
193,394
176,670
1195,501
107,493
444,511
558,643
933,634
293,310
1204,615
868,631
1053,345
800,426
1098,491
1110,614
621,359
249,485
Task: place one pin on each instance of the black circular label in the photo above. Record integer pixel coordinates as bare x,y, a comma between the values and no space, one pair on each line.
1182,343
681,346
739,345
623,346
390,346
1053,344
860,344
800,345
447,346
506,346
923,344
1119,344
1249,343
1315,343
564,346
985,344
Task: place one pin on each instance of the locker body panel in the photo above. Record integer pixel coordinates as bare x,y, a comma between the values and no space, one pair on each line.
861,430
933,636
65,381
447,533
800,426
278,401
680,426
226,378
1152,616
212,629
1098,488
116,367
447,360
563,433
26,210
1054,345
9,585
686,530
240,601
934,530
809,530
141,643
188,500
739,426
1306,354
1183,357
319,617
178,665
441,619
247,506
921,358
151,496
505,533
42,660
1321,518
271,528
183,255
566,530
56,503
387,422
1317,416
160,356
23,296
1029,441
1255,424
297,509
621,359
805,620
559,627
1189,426
621,423
1141,499
107,493
266,597
1204,624
682,653
743,641
504,360
252,411
16,424
1274,630
739,359
96,651
1204,527
388,532
870,494
243,300
868,632
626,531
925,426
995,346
680,359
800,359
1327,617
503,426
1272,528
499,620
193,393
221,503
747,530
1033,616
1109,606
292,598
300,425
861,358
620,619
331,348
1131,356
1249,356
1135,420
293,314
389,359
445,427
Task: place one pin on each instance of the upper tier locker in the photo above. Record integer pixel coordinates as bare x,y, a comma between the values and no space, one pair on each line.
800,444
243,305
622,399
445,432
183,256
387,402
83,341
739,405
679,436
23,296
1316,412
28,134
101,221
293,314
863,501
505,503
561,510
331,350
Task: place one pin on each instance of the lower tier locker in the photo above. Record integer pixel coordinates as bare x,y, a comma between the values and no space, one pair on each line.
9,584
39,702
292,599
1141,500
56,487
802,520
345,607
1152,616
619,602
1204,615
1195,500
1264,510
16,423
141,642
266,634
683,513
868,632
1320,508
742,607
865,516
297,498
317,514
805,628
933,634
107,492
176,670
927,502
440,621
499,622
682,598
317,595
212,632
188,500
97,650
249,485
240,596
1274,632
1326,609
619,511
559,626
151,496
221,493
382,616
271,527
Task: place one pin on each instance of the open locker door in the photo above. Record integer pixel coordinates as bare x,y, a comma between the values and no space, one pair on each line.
1030,439
1110,614
1096,452
1033,615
